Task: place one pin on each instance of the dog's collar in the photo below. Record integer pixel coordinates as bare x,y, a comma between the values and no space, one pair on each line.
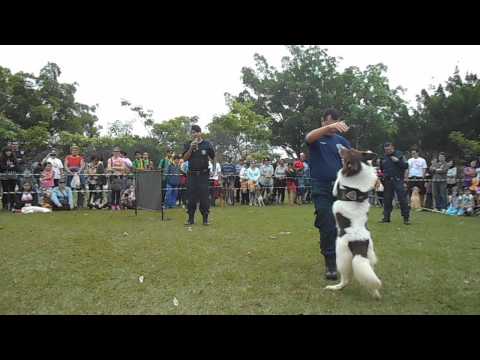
351,194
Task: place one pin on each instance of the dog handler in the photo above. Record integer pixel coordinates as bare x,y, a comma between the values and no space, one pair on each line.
325,162
197,153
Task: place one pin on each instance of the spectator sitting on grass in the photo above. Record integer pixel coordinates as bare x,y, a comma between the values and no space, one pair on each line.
128,198
28,197
62,196
455,204
468,203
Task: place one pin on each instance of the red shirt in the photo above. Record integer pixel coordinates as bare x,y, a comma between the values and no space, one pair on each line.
74,161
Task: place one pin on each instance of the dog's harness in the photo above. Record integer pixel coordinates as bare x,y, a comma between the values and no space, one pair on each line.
351,194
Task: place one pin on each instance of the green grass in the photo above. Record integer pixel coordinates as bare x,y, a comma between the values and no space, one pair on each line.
83,263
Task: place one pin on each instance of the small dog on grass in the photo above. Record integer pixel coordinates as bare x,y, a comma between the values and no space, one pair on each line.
259,200
354,248
415,202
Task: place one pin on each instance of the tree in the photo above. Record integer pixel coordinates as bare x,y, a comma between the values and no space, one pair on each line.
295,97
121,128
241,131
174,133
28,101
451,107
470,148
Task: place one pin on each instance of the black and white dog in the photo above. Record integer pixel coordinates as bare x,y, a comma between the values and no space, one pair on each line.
354,247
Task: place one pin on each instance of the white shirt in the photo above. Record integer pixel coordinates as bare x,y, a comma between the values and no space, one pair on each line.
214,174
243,173
57,166
416,166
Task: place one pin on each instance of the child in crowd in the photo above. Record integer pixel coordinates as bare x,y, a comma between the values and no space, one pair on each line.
128,198
173,183
27,197
138,163
291,184
468,203
116,185
47,177
455,206
147,163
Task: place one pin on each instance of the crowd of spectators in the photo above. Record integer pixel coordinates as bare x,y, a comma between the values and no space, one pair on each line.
450,187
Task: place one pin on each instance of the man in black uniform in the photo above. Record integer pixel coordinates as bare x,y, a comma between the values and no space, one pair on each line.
394,166
197,153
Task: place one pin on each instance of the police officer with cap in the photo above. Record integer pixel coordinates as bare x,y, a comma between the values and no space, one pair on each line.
197,153
394,166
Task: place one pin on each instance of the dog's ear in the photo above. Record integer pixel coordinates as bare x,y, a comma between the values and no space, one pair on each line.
368,155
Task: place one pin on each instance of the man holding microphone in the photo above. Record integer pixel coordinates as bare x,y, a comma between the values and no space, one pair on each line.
198,153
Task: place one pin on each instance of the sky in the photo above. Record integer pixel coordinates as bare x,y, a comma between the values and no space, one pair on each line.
192,80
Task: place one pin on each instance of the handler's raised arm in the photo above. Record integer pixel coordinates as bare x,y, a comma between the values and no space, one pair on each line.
327,130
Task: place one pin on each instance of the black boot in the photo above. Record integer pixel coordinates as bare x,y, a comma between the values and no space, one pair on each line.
406,221
205,221
190,220
330,268
383,221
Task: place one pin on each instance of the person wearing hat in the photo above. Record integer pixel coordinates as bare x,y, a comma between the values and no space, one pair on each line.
325,162
62,196
394,167
57,165
198,153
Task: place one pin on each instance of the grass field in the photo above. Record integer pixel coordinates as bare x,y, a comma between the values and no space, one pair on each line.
249,261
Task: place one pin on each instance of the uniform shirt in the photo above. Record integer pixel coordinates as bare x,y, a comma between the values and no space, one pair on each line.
325,161
416,167
394,169
199,158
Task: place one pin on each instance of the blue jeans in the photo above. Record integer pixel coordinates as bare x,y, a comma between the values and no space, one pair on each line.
324,220
171,196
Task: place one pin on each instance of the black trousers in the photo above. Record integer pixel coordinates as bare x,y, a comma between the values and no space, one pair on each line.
197,192
390,186
8,200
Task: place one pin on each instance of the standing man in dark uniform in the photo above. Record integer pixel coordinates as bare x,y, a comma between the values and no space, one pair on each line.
394,166
325,162
197,153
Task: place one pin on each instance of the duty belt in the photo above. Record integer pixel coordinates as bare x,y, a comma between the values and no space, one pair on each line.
198,172
351,194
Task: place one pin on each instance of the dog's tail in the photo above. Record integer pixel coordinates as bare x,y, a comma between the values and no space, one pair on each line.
363,272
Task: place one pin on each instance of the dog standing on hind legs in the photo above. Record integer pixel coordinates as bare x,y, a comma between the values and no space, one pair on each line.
355,255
